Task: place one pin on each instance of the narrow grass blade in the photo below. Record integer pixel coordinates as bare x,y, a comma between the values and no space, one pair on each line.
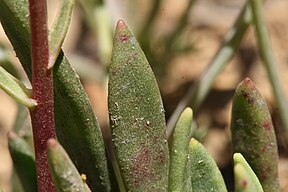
253,134
198,92
104,33
266,54
98,18
179,28
245,178
59,29
16,89
76,125
136,116
23,161
22,124
5,61
204,172
65,175
179,174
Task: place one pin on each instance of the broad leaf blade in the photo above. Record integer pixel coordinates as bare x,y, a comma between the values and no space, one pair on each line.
16,89
136,116
253,134
76,126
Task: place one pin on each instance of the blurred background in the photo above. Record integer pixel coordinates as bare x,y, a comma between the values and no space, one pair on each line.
179,38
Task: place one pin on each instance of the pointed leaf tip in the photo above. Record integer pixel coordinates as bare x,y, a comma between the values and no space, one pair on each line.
11,134
22,154
16,89
122,32
51,143
65,175
120,25
247,82
136,116
253,134
204,171
245,178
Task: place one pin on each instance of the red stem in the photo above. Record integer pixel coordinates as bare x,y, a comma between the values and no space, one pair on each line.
42,91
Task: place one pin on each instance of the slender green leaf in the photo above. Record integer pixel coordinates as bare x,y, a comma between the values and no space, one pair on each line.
59,30
253,134
179,175
22,124
179,28
136,116
245,178
98,18
104,32
266,54
16,89
23,161
204,172
65,175
198,92
22,127
6,63
76,125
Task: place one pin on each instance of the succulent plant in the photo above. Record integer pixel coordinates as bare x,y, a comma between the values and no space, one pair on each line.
70,152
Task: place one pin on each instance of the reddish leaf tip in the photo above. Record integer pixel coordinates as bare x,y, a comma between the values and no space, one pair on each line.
248,82
11,135
51,143
120,25
247,79
245,85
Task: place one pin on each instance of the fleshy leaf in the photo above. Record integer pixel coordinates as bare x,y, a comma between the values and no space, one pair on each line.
179,175
16,89
59,30
76,125
23,161
136,116
253,134
245,178
65,175
205,174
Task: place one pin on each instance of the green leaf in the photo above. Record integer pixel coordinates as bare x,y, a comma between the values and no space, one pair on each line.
5,61
253,134
23,161
59,30
245,178
136,116
205,174
65,175
199,91
22,128
179,175
22,124
104,33
266,53
98,19
76,125
16,89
